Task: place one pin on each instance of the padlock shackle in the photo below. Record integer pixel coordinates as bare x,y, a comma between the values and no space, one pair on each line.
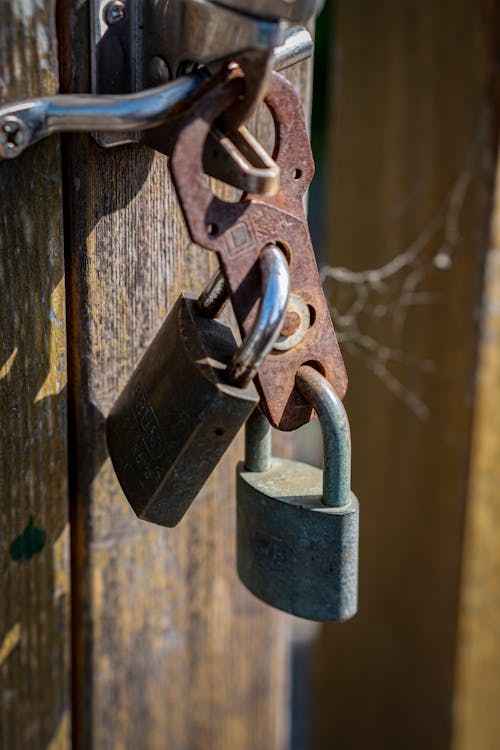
214,296
275,289
266,328
336,434
316,389
257,442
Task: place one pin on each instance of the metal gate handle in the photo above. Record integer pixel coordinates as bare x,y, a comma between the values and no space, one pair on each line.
24,123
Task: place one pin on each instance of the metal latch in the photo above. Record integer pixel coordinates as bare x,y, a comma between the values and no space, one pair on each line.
151,59
142,43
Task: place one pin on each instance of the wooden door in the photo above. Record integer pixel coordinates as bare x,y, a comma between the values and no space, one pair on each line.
166,649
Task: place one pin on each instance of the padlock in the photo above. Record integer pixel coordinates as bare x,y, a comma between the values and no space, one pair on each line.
297,526
189,396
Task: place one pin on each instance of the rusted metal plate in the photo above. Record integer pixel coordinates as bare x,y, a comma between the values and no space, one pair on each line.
238,232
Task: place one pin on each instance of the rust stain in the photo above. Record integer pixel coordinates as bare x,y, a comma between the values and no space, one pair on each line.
237,232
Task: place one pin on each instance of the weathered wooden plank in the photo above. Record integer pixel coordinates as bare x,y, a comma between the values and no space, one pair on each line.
413,163
34,538
171,651
477,720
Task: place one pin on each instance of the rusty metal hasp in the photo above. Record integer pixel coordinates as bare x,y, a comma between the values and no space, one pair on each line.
237,232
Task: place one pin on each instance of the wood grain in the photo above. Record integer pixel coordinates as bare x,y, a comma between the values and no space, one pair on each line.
477,720
170,650
413,160
34,534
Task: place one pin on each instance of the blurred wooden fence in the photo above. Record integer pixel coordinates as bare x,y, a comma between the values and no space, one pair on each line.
414,283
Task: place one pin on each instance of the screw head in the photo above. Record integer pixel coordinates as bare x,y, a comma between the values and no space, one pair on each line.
158,69
13,136
114,12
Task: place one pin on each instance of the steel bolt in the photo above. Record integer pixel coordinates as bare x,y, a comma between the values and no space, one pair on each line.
114,12
13,136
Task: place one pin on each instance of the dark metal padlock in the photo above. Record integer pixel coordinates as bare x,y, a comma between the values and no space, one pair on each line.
297,527
189,396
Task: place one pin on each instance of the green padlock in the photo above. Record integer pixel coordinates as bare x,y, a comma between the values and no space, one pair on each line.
298,526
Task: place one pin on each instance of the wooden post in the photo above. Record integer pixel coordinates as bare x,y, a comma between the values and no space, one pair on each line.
414,155
170,650
477,720
34,531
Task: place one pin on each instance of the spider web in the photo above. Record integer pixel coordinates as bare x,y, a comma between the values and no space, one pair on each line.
394,289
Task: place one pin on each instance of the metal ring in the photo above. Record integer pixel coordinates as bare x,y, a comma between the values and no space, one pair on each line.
295,305
269,319
316,389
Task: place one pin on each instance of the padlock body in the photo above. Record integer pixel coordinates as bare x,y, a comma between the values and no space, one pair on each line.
293,552
177,415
